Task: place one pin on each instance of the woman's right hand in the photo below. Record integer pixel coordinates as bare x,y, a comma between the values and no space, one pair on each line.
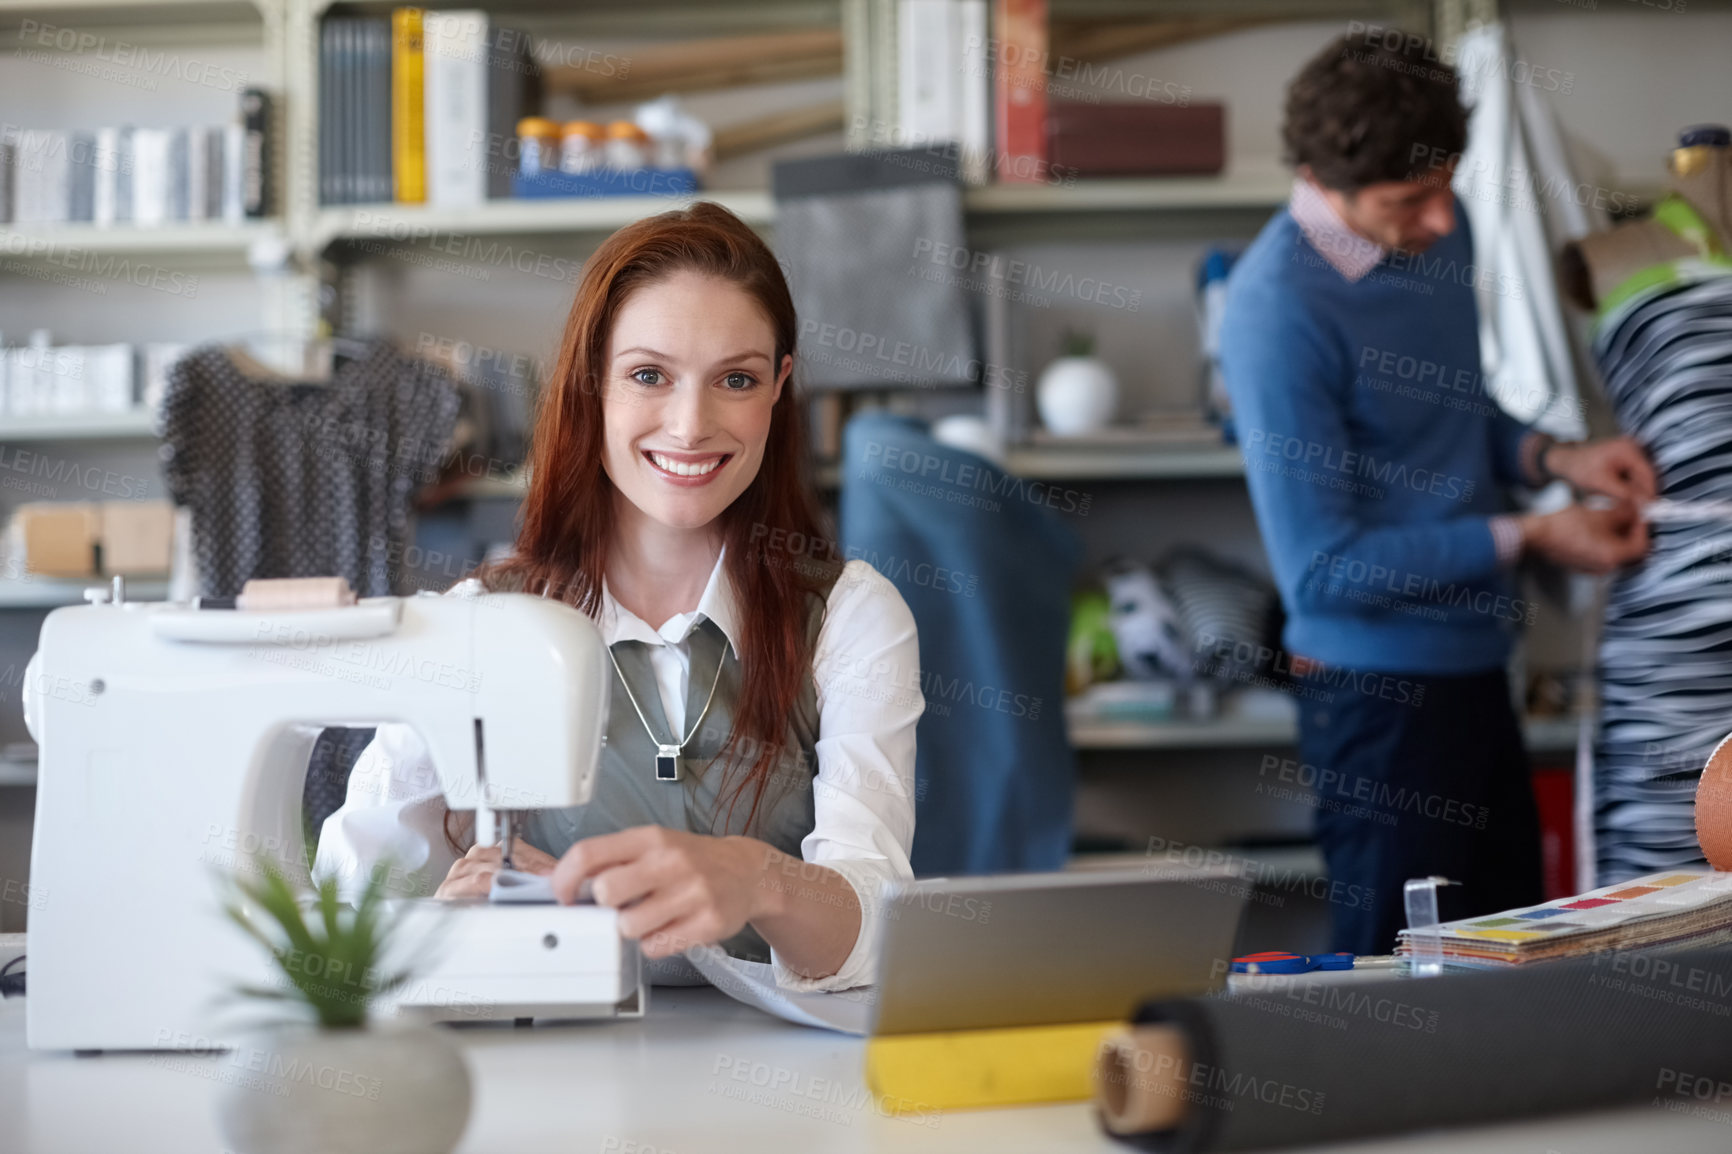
471,875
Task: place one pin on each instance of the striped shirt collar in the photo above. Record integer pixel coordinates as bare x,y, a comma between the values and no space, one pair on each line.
1347,252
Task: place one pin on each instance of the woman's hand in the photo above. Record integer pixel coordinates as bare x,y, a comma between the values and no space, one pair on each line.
673,889
471,875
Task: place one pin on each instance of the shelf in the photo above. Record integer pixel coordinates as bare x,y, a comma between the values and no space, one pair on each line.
1264,860
681,19
58,242
1253,185
389,223
1101,463
1256,187
1110,463
138,425
17,773
513,488
1215,733
1544,735
53,592
128,13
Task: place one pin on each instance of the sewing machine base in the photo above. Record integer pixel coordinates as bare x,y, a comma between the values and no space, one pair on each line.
495,961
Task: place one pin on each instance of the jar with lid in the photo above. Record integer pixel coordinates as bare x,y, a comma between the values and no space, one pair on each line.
581,147
628,146
537,146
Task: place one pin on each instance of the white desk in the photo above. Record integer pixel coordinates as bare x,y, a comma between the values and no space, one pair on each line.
663,1082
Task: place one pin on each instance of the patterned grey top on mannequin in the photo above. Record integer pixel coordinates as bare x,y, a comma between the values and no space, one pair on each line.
291,478
702,801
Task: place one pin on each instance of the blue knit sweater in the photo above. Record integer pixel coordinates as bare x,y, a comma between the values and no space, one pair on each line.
1374,453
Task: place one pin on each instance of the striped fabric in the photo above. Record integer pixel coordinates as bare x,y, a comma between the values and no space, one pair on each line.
1665,658
1226,611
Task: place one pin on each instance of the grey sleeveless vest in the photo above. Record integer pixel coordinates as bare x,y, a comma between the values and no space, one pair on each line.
703,800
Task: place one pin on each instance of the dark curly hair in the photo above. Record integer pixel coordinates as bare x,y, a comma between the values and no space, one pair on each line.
1375,105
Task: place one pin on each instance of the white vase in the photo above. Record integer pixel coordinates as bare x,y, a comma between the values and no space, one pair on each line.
1077,395
386,1090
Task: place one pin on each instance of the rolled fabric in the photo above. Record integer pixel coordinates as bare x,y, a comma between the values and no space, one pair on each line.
1138,1079
1318,1061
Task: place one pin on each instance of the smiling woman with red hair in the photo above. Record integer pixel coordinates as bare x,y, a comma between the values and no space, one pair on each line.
758,777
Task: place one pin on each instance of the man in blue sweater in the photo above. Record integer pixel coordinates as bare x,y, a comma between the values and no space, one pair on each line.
1378,465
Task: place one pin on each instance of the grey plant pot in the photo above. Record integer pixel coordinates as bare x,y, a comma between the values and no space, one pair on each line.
386,1090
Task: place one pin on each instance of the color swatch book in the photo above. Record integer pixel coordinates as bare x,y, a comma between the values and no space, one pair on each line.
1691,906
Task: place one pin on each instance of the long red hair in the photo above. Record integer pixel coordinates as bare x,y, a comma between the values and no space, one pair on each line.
567,516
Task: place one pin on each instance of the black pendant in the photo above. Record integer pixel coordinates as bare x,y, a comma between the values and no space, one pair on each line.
667,762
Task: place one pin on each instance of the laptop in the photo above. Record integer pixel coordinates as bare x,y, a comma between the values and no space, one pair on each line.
1042,948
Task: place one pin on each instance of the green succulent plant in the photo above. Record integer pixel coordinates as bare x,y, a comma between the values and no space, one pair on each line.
1077,343
331,955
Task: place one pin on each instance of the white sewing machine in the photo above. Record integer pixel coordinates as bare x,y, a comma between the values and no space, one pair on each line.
174,746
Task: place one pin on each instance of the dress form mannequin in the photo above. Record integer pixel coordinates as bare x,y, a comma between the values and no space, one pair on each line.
1701,175
1661,291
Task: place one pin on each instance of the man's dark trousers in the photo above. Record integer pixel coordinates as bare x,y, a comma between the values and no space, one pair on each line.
1417,775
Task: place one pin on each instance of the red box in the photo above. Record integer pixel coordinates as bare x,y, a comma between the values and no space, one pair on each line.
1140,138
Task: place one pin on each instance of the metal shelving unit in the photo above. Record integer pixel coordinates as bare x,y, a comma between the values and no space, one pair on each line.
52,593
1096,463
1544,735
136,425
406,224
25,241
1257,189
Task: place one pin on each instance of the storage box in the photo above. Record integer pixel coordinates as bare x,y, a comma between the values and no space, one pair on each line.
81,539
137,537
59,537
605,182
1137,139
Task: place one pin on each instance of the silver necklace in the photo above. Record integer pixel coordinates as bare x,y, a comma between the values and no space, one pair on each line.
669,757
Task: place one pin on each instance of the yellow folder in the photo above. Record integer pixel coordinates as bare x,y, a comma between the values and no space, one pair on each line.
408,107
971,1069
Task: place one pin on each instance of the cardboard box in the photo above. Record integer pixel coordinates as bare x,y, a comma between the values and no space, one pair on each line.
94,539
59,537
137,537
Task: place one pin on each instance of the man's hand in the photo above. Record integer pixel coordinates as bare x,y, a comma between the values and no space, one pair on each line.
1591,540
673,889
1616,468
471,875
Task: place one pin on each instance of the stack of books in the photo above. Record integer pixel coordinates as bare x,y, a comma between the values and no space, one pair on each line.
140,176
1672,908
40,380
968,77
421,106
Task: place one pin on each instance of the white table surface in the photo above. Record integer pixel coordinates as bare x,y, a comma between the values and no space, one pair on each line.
661,1085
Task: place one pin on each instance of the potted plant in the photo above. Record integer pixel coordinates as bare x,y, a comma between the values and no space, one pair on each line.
326,1079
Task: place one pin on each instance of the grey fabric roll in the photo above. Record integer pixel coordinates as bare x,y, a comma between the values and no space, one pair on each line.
1330,1062
868,242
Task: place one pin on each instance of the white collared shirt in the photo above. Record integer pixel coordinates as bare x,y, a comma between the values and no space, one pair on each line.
1351,255
867,669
